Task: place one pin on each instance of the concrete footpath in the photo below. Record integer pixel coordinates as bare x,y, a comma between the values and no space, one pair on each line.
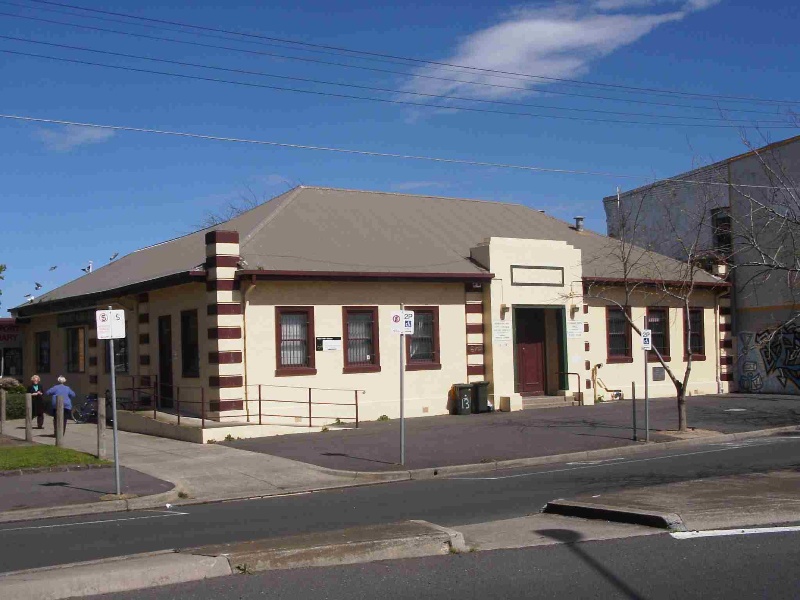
739,501
714,503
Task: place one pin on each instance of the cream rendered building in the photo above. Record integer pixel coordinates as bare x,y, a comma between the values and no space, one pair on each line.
286,309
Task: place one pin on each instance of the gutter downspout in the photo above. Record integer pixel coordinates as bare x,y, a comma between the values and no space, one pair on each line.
251,285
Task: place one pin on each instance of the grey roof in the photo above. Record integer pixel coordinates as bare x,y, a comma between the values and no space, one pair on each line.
310,229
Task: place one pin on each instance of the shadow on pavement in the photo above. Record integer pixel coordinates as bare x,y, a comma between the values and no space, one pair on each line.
570,539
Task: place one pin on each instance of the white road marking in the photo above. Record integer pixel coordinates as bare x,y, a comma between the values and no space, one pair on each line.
609,464
163,515
595,462
688,535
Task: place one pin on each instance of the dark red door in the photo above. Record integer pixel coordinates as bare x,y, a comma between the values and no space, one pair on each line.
530,352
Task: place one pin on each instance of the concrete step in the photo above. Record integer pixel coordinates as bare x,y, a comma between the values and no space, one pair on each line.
547,402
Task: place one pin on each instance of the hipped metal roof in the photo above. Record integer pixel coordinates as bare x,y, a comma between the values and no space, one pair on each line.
321,230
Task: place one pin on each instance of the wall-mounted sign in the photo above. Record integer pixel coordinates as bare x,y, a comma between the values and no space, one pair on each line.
73,319
659,374
328,344
501,333
10,334
574,330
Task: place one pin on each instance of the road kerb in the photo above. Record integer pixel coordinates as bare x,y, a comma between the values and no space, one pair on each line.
632,516
406,539
109,576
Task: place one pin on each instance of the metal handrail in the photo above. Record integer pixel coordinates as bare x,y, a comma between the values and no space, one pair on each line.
577,375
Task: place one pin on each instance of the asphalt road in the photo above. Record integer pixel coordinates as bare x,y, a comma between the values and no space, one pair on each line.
454,501
651,567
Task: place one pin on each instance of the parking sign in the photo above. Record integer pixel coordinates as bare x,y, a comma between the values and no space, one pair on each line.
647,339
403,321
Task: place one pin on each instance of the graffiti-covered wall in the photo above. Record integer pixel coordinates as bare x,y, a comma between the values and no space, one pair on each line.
769,360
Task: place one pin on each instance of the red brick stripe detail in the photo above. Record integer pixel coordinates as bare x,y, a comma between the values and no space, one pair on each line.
475,370
473,349
726,344
587,365
224,358
586,328
93,379
588,384
222,261
223,285
222,237
726,376
223,405
145,381
144,338
92,361
144,318
726,360
144,360
143,297
224,333
93,343
586,309
475,309
474,327
725,310
225,381
586,346
224,309
724,327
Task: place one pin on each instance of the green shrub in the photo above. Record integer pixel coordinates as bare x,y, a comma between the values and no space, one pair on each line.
383,418
15,406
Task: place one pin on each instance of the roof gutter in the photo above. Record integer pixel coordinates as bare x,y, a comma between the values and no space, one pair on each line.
90,300
265,275
656,282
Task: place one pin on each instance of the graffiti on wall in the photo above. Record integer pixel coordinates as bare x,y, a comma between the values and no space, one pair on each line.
768,358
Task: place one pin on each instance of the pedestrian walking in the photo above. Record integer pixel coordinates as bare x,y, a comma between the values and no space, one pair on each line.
37,395
63,390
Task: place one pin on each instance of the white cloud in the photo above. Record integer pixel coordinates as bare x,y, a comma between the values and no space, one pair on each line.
68,137
556,42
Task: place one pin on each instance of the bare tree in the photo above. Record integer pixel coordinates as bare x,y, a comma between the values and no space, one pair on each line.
644,277
246,200
2,277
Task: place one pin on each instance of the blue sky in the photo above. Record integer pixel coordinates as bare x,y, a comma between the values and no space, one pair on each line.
71,195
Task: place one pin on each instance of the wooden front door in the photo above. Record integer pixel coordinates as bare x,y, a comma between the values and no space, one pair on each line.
165,391
530,351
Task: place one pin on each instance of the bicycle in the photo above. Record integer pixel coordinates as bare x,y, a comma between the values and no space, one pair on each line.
86,412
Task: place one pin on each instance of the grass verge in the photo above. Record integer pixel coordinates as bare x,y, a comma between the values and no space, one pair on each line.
30,457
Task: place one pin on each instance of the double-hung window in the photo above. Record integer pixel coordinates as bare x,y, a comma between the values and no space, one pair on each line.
422,347
618,334
120,356
694,334
361,346
294,332
76,350
658,323
190,345
42,351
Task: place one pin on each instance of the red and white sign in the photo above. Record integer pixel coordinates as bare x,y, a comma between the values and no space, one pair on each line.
403,322
110,324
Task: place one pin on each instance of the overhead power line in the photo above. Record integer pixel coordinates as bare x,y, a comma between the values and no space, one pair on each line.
389,90
380,100
657,91
456,161
483,84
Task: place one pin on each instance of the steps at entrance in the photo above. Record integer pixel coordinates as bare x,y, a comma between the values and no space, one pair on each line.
547,402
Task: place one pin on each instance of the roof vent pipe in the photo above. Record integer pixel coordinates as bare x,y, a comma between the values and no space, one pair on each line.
579,223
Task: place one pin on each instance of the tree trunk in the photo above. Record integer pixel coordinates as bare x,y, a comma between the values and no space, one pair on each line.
682,409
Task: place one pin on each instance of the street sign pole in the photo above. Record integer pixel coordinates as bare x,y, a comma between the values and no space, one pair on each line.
113,410
402,401
647,345
402,323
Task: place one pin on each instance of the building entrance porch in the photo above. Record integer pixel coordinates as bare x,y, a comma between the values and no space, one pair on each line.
539,351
